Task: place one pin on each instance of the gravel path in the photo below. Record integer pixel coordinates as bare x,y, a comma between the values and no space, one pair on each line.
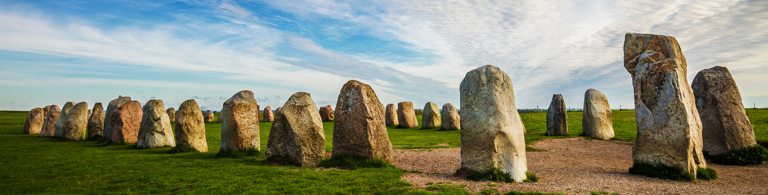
578,166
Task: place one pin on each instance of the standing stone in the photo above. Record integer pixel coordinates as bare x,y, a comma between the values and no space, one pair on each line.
240,130
406,116
35,120
45,111
326,113
49,125
171,114
597,120
96,122
431,117
62,119
668,124
724,121
391,115
89,113
557,118
298,132
209,116
359,127
450,117
76,124
126,121
155,130
111,107
190,127
258,112
268,116
491,129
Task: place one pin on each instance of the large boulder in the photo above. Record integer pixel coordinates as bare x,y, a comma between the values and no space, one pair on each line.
268,115
391,115
406,117
49,125
221,116
724,121
557,117
190,127
45,111
431,117
111,107
155,130
326,113
597,121
359,127
450,117
491,129
61,121
668,124
126,121
76,124
297,132
34,122
240,130
171,114
209,116
96,121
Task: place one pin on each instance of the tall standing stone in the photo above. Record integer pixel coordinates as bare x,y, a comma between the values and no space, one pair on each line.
155,130
557,117
221,116
724,121
126,121
96,122
268,115
668,124
298,132
240,130
406,117
391,115
62,120
359,127
209,116
76,123
326,113
491,129
111,107
450,117
49,125
171,114
597,120
190,127
34,122
431,117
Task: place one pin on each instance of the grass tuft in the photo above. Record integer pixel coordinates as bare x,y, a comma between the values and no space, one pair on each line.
239,153
182,149
489,191
353,162
706,174
659,170
492,174
745,156
530,177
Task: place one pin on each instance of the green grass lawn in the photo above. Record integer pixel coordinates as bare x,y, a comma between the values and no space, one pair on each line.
33,165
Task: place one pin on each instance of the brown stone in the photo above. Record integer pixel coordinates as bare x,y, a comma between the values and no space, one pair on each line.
49,125
240,130
190,127
450,117
126,121
297,132
391,115
34,122
359,124
62,120
171,114
668,123
155,130
406,117
96,121
557,117
326,113
597,119
45,110
431,117
76,124
268,115
209,116
111,107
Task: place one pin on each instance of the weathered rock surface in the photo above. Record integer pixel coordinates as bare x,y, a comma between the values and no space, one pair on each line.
391,115
34,122
49,125
431,117
277,110
240,130
190,127
359,127
76,123
171,114
221,116
155,130
61,121
326,113
258,112
406,117
126,121
450,117
724,121
491,129
268,115
89,114
557,118
298,131
45,111
96,121
209,116
111,107
668,124
597,120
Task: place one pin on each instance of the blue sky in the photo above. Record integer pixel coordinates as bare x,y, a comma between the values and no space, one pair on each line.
57,51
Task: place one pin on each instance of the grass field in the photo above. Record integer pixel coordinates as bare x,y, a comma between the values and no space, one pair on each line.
33,165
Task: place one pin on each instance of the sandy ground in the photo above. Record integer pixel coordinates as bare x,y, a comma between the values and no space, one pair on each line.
578,166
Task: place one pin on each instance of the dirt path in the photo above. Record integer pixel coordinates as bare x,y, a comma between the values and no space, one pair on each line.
578,166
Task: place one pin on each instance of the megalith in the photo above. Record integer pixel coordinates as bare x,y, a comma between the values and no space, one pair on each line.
61,121
111,107
34,122
209,116
406,117
326,113
155,130
221,116
96,122
49,125
297,132
240,130
597,120
557,117
171,114
268,115
190,127
450,117
391,115
126,121
431,116
76,123
359,127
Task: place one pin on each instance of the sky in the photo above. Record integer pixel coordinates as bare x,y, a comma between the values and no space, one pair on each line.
54,51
